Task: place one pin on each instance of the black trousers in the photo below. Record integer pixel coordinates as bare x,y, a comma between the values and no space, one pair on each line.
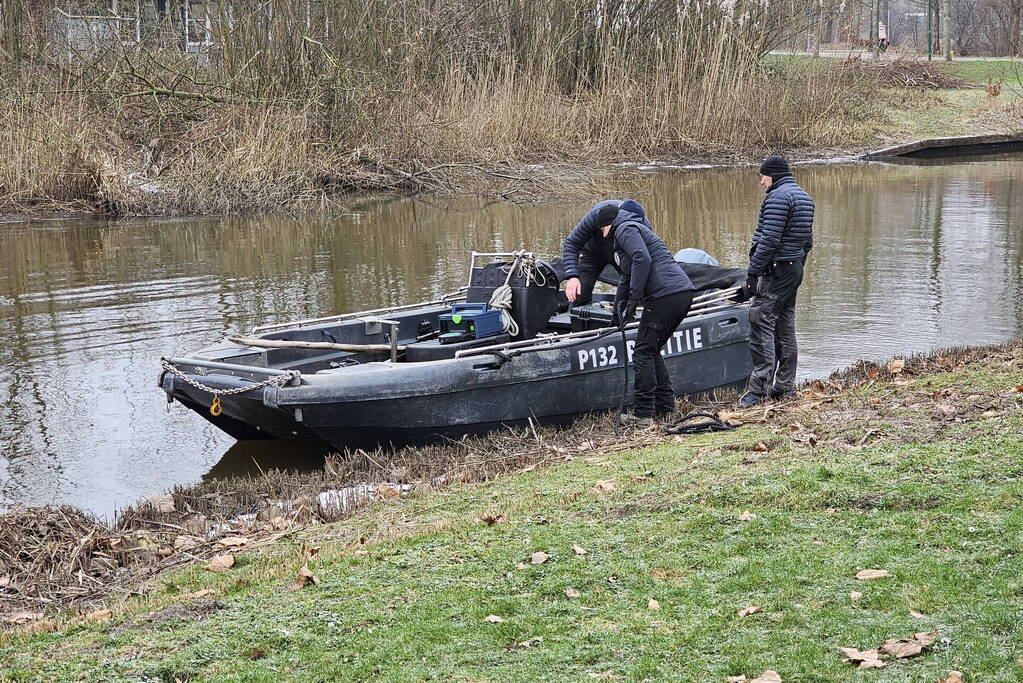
772,319
653,384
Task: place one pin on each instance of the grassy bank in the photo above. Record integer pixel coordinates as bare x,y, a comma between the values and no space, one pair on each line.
648,556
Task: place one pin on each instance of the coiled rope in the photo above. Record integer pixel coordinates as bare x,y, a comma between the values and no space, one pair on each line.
698,423
501,299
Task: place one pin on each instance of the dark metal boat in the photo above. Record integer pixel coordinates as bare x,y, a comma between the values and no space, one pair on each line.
387,377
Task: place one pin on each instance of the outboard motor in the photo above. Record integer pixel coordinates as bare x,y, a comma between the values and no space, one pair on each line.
534,287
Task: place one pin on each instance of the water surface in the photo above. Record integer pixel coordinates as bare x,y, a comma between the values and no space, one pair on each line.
908,257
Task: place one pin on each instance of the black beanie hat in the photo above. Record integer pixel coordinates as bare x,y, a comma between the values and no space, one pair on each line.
774,166
606,213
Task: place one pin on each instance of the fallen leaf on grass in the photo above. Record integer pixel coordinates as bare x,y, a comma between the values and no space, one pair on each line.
41,626
491,520
917,615
220,563
761,447
493,619
901,647
539,557
767,676
186,542
521,565
233,541
1019,387
908,647
741,678
572,593
99,615
872,574
746,516
305,577
653,604
531,642
389,491
752,609
926,638
855,595
896,365
198,594
23,618
732,418
578,549
604,486
953,677
867,659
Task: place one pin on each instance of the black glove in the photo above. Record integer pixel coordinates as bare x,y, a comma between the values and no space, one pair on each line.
630,310
750,288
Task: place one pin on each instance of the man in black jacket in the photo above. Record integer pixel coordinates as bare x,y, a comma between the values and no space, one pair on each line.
651,278
781,243
587,252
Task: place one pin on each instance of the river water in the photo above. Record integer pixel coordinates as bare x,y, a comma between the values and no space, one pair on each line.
909,257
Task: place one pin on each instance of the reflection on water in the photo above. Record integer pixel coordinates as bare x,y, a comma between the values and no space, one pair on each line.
908,257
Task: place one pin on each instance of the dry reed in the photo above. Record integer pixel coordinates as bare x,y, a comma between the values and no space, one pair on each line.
283,108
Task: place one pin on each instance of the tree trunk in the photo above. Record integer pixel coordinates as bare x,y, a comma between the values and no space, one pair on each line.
875,15
946,36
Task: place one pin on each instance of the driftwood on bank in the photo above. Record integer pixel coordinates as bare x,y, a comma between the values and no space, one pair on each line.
327,346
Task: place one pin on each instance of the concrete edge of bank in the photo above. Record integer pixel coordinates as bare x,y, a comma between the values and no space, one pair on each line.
952,146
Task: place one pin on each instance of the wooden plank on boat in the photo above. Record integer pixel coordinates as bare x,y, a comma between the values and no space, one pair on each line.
326,346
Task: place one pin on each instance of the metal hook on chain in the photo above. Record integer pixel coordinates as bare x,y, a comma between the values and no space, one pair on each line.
216,408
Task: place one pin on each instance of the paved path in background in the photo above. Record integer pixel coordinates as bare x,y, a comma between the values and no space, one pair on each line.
890,56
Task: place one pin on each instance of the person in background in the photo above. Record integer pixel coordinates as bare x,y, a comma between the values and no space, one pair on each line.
781,243
651,278
587,252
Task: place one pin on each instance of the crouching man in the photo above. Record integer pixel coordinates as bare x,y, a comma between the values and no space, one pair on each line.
649,277
781,243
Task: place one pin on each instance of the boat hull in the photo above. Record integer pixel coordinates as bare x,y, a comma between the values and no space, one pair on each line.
389,405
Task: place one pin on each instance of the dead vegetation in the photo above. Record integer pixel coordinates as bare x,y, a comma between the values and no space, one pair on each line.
280,113
56,560
905,73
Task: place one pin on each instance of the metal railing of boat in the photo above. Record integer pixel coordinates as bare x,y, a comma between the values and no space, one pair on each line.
712,302
294,376
452,297
449,298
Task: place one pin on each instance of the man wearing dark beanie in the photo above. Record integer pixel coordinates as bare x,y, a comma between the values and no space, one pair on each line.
587,252
781,243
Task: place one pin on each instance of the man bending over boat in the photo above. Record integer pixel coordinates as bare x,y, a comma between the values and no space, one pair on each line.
587,251
651,278
781,243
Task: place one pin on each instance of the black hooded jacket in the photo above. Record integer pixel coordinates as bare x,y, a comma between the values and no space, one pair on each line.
648,269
